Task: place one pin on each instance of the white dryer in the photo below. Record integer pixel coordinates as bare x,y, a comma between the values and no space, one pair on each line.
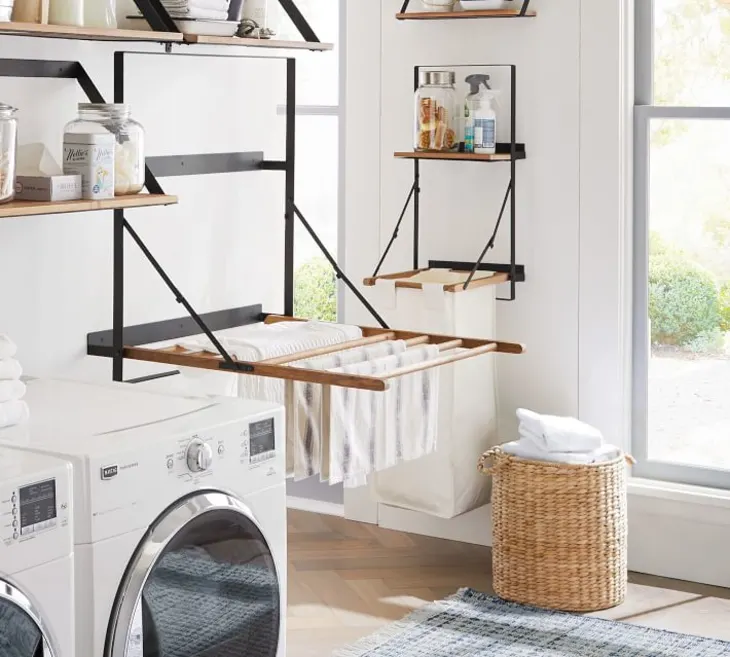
180,518
36,556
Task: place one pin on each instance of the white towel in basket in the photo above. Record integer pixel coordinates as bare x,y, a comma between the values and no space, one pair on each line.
526,449
551,433
371,431
305,420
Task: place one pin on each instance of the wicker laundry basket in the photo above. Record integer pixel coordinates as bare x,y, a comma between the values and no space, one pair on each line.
559,532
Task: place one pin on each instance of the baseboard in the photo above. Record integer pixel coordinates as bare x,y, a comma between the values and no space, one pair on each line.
315,506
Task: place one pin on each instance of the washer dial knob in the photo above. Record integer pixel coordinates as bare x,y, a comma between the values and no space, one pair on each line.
199,456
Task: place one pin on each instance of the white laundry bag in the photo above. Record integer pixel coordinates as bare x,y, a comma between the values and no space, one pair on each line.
445,484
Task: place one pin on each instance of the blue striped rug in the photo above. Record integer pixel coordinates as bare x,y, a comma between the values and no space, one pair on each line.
472,624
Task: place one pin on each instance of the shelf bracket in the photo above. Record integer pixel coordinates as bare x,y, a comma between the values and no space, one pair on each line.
296,16
394,236
156,15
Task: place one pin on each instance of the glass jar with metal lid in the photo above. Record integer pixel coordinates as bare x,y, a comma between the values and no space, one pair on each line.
8,148
436,112
129,158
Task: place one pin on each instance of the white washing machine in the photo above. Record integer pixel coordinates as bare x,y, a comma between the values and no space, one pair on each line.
36,556
180,518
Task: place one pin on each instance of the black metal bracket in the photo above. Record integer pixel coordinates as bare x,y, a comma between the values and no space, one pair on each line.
299,21
517,151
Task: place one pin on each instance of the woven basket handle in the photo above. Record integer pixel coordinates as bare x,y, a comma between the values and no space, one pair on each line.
487,467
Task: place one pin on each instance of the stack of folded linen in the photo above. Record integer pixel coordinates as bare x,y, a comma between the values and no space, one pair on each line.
560,440
13,410
202,9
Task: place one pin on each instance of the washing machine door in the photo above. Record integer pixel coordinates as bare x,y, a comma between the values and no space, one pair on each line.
202,583
21,628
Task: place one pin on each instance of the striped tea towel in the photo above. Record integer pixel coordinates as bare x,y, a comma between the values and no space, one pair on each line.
304,406
371,431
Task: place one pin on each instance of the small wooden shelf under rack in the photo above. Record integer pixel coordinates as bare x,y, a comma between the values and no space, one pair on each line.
454,349
457,15
36,208
257,43
465,157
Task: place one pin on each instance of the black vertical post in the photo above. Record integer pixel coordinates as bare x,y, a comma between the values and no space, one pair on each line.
118,258
417,188
513,195
118,297
291,81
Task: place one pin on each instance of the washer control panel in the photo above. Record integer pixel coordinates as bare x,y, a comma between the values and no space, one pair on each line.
29,510
249,444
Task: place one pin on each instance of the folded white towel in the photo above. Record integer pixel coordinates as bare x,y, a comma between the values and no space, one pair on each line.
369,430
263,341
12,413
526,449
11,390
10,369
558,434
8,348
218,5
305,420
199,14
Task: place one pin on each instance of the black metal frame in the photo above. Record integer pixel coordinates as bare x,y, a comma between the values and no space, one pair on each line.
160,21
523,9
112,343
517,152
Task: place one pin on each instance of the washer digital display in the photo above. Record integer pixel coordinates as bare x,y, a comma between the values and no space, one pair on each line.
262,440
37,506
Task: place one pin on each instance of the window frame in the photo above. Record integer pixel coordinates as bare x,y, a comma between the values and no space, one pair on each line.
644,112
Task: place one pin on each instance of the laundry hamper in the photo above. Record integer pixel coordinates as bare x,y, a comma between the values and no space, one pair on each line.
445,484
559,532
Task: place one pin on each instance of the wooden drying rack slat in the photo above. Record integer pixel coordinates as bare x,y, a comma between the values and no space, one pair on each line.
281,368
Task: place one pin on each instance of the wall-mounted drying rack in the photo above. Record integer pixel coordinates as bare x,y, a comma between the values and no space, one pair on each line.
120,342
522,12
511,152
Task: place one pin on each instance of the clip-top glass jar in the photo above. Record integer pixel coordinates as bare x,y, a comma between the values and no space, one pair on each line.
129,160
436,109
8,148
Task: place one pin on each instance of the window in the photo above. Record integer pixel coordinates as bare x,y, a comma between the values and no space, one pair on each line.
682,241
318,159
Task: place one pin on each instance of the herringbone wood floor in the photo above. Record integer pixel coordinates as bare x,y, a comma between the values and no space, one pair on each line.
347,579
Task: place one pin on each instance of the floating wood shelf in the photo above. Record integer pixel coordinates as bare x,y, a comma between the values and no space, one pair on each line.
445,15
452,280
35,208
466,157
101,34
87,33
256,43
285,367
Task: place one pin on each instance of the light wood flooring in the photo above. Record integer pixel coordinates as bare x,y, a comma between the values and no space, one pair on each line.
348,579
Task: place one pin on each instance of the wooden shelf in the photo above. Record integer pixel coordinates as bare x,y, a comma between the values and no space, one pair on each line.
466,157
36,208
456,15
100,34
256,43
87,33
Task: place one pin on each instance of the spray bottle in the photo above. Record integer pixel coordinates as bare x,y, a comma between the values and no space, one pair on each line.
480,132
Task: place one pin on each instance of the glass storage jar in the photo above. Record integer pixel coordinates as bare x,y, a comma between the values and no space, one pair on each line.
129,159
8,148
436,112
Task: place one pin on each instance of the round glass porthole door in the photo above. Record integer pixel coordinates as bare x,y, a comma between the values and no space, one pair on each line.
202,584
21,631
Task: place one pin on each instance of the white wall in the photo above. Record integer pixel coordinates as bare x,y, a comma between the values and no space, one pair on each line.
222,245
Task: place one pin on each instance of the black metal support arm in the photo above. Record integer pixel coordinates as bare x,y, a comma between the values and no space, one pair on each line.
394,236
523,8
156,15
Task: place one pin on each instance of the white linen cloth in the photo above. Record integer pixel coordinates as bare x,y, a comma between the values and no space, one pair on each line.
12,413
371,431
8,348
551,433
10,369
11,390
263,341
305,420
198,9
526,449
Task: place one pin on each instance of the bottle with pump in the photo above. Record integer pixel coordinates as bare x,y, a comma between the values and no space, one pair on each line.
480,132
